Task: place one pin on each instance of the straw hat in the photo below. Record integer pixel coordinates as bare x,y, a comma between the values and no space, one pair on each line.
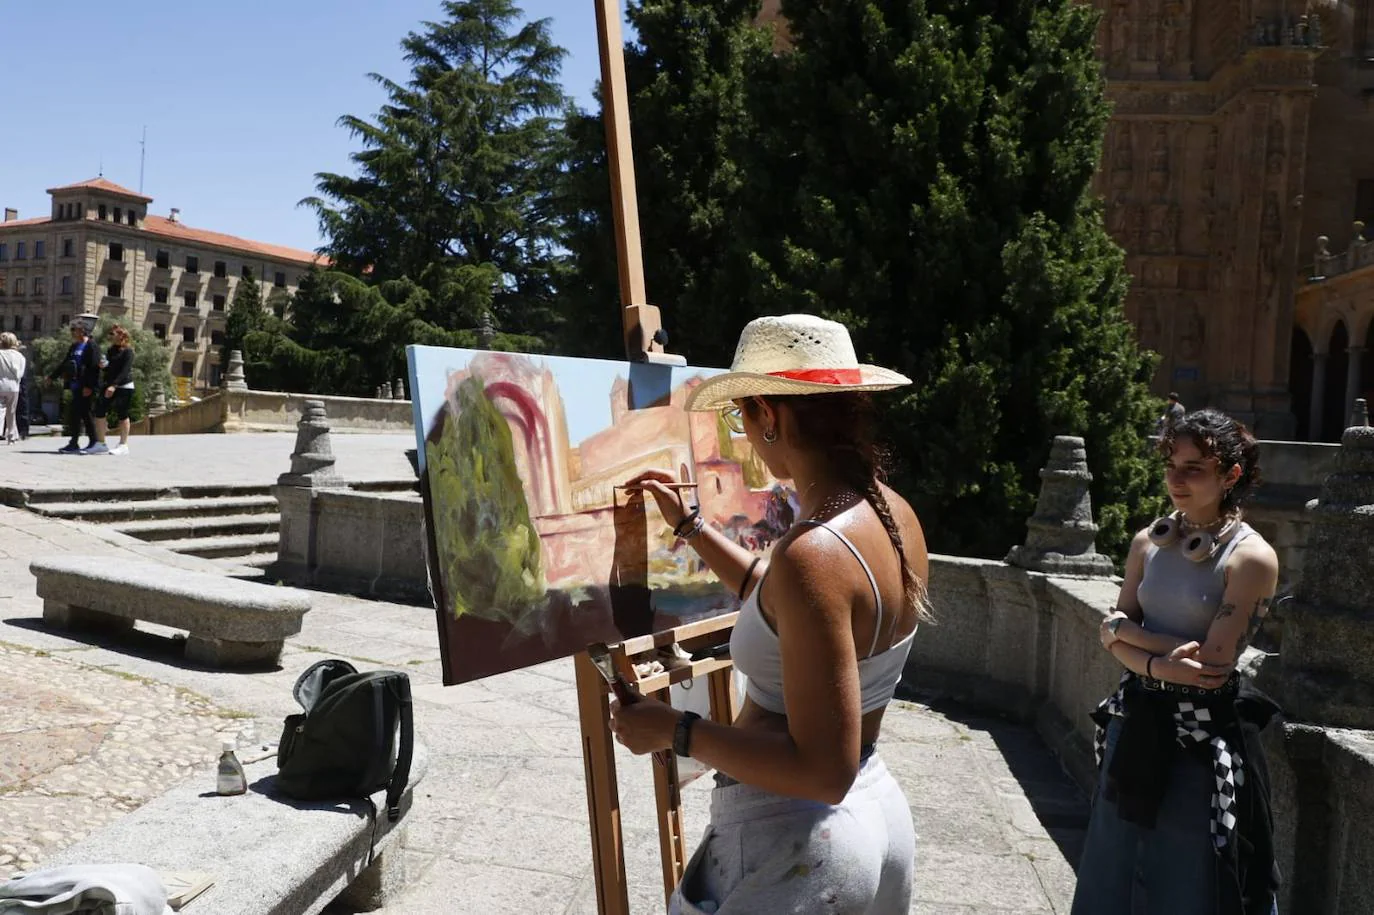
792,354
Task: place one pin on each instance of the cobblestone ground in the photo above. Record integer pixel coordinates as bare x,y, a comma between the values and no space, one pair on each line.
82,745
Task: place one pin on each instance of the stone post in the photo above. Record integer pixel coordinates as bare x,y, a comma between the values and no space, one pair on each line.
1360,415
1061,536
158,406
398,390
234,379
384,392
312,469
1328,650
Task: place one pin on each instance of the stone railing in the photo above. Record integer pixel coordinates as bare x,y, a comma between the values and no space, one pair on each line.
277,411
1358,255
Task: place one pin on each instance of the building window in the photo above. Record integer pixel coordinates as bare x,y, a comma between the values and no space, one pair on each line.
100,211
36,324
280,280
189,300
4,252
132,217
219,303
18,323
192,264
188,335
247,272
119,214
116,251
66,287
38,285
160,331
216,338
215,375
160,295
188,369
164,259
62,320
21,251
221,269
66,247
19,285
114,289
39,249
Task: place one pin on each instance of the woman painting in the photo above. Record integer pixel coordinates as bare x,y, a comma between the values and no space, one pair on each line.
1181,822
804,809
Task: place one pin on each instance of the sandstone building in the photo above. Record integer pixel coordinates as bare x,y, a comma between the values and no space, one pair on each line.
100,251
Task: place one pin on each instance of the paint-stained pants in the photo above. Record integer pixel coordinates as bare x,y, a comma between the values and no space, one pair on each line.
763,853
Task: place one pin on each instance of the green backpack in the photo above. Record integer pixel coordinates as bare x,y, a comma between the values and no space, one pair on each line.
346,743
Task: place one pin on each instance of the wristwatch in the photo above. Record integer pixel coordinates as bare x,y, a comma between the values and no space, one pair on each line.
682,734
1115,625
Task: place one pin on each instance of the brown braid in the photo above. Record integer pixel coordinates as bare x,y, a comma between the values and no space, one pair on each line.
841,426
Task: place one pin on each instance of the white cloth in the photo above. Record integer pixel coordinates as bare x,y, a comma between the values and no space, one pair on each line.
12,364
99,889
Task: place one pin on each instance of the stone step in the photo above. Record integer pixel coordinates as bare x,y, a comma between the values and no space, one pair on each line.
200,525
97,493
153,509
238,545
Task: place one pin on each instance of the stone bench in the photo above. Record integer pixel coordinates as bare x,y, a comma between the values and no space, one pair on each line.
230,622
269,855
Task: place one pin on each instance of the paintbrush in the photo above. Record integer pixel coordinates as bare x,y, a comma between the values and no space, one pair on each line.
666,485
600,653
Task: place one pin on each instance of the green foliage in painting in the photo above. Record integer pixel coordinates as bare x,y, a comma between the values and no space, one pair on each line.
488,546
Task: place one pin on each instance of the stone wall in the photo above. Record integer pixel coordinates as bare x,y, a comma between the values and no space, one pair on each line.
277,411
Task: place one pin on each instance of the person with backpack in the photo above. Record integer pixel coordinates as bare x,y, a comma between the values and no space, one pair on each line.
80,370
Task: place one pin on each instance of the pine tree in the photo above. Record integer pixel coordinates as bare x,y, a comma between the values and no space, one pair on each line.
454,182
945,151
246,315
688,75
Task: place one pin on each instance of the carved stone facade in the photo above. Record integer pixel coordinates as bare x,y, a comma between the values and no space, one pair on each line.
1203,177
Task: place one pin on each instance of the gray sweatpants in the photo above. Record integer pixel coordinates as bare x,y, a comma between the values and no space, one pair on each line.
764,853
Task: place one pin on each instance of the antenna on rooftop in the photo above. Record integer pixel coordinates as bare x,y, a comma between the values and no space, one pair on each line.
102,163
142,155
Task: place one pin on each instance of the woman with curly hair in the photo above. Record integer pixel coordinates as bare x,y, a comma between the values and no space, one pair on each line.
1181,821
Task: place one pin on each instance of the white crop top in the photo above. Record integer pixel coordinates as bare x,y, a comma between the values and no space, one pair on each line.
756,653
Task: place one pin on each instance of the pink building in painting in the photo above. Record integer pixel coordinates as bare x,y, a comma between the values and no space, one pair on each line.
571,489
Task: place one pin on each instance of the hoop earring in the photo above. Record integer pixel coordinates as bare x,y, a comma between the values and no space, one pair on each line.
770,436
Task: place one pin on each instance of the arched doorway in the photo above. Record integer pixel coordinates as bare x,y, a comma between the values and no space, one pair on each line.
1367,366
1300,383
1333,403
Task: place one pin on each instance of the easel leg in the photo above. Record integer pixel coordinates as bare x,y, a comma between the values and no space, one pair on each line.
672,846
721,684
603,795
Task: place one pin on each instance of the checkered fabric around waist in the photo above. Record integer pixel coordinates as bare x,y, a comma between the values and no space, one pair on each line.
1194,724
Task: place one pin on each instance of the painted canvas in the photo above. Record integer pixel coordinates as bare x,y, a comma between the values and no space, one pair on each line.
534,552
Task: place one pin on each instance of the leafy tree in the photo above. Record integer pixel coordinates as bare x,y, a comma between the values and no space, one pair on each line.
482,523
247,314
454,182
920,170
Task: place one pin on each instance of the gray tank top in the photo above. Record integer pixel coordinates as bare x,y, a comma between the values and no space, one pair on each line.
1180,597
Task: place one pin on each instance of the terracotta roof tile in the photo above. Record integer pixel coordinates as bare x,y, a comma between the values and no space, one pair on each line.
161,225
101,184
16,223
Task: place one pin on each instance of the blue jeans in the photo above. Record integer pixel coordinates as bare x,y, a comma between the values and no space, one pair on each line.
1128,869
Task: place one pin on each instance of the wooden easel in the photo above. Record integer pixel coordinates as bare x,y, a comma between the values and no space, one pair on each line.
598,750
644,342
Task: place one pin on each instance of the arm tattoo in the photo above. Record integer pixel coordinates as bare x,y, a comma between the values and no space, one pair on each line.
1253,626
1224,611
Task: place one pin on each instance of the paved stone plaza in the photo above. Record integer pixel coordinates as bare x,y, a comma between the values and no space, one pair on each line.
90,729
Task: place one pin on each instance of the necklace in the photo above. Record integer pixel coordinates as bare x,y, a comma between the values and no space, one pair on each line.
1218,524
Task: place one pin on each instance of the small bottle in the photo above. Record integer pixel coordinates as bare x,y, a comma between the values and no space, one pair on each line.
231,779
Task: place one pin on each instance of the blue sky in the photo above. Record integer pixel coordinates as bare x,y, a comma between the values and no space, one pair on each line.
240,99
